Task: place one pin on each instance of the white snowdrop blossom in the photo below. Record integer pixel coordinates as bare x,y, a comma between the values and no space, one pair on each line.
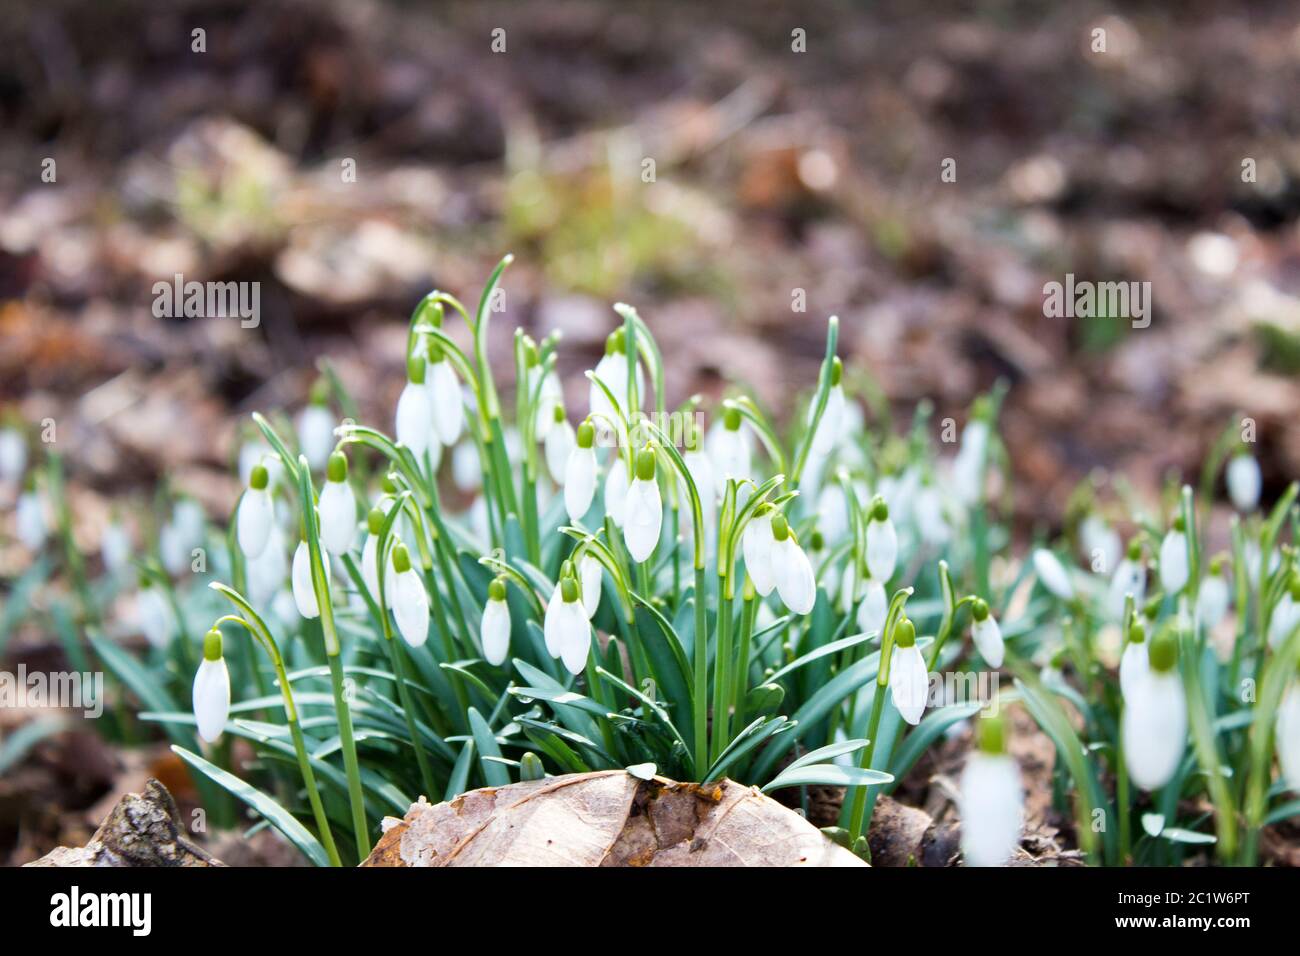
791,570
1134,664
410,600
1154,724
1286,613
1212,598
930,519
986,634
991,802
466,471
267,572
304,594
559,445
153,615
115,548
1052,574
212,690
337,507
756,543
1244,482
643,509
316,432
580,473
1288,736
494,633
565,627
612,371
909,682
1101,543
700,467
590,572
29,520
730,450
445,405
370,560
413,421
1130,578
882,542
13,456
616,487
874,608
1174,572
968,466
829,428
256,514
549,398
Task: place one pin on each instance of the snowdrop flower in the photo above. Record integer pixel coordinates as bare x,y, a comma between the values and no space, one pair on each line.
580,473
616,485
559,444
1134,666
612,371
266,572
833,512
590,572
882,542
337,508
256,514
285,608
700,467
251,454
909,682
466,471
13,456
791,569
115,548
443,390
991,799
1173,559
153,615
873,609
1154,725
756,544
565,627
1288,736
729,448
212,689
1212,598
829,428
1130,578
1052,573
550,396
1243,480
644,509
304,593
178,536
414,417
370,560
986,634
410,600
968,466
29,519
1286,613
1100,542
495,630
316,430
930,520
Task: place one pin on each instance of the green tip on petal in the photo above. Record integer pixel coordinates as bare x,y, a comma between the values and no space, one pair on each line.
569,590
837,371
992,734
879,510
401,559
780,527
497,589
259,479
375,521
905,633
1163,651
337,469
586,435
212,645
415,369
558,414
731,418
1136,632
645,464
979,609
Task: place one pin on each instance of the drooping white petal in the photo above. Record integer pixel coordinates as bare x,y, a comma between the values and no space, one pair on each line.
930,520
968,466
756,544
701,470
253,523
154,617
29,520
304,595
882,549
1286,615
1212,601
990,806
616,487
495,631
549,398
370,569
1053,574
173,548
1288,737
115,548
833,513
1154,728
643,518
988,639
1101,544
1134,666
874,608
794,576
338,517
590,572
909,683
828,429
411,607
1244,482
444,402
731,454
580,481
553,622
1173,562
211,698
316,435
13,456
1130,578
414,421
575,636
465,469
850,589
559,445
266,572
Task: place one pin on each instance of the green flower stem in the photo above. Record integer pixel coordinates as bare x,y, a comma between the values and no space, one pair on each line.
76,566
1206,748
395,653
819,401
950,610
701,675
721,674
350,765
1123,798
1279,671
740,680
858,817
259,632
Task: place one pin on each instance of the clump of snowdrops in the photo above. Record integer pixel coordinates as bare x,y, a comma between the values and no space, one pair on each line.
697,596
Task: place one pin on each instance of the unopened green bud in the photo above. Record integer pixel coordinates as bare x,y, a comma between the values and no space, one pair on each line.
979,609
731,418
212,645
837,371
586,435
337,469
375,521
415,370
879,510
569,590
530,767
497,589
259,478
401,559
1163,651
645,464
905,633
